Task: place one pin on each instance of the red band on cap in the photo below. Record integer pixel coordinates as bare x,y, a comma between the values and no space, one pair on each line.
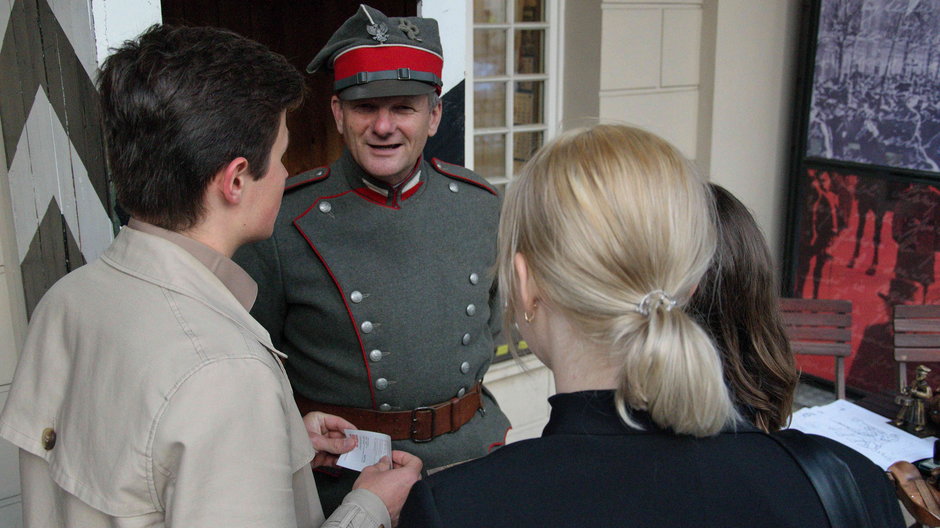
381,58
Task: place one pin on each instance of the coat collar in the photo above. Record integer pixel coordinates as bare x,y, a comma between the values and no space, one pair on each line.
159,261
594,412
376,190
237,280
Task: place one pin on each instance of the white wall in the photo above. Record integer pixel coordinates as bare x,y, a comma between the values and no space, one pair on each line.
650,70
451,16
116,21
716,78
751,108
581,56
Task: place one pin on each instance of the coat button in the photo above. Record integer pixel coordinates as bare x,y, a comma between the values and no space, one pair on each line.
366,327
375,355
465,367
48,438
453,187
461,392
385,407
471,309
465,339
381,384
474,278
325,207
356,296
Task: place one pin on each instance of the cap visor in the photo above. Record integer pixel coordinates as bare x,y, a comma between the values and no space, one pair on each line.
389,88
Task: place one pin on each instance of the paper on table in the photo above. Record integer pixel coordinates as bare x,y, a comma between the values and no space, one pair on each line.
371,447
864,431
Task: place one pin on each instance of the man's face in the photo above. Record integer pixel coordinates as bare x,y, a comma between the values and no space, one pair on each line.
386,135
268,190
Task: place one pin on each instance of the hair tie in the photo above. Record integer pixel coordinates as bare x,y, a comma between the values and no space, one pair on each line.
661,297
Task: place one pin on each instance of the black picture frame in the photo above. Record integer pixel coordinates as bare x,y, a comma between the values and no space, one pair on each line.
864,193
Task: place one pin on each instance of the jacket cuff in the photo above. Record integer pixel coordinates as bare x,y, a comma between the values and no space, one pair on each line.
361,509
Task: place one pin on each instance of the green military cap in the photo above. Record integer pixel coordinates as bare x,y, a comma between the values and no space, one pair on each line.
372,55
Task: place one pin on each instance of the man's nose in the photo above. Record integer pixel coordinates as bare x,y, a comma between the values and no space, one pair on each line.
384,123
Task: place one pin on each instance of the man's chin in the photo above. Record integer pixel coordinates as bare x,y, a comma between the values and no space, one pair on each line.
384,172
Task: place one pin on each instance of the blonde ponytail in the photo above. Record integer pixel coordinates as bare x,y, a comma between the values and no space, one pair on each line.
672,370
617,230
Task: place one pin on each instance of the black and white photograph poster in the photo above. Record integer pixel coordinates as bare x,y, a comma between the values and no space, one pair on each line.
876,84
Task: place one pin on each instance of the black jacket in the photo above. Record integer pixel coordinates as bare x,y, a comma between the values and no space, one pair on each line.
588,469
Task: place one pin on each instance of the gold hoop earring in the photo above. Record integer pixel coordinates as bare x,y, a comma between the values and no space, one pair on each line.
529,318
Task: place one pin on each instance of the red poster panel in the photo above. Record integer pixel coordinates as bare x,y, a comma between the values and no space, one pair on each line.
873,241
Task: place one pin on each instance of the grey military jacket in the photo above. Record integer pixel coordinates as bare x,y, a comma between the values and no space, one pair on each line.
385,302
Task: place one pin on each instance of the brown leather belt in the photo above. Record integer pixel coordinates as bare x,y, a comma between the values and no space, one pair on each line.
418,425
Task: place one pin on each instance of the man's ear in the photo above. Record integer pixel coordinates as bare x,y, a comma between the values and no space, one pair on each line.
232,179
337,106
436,114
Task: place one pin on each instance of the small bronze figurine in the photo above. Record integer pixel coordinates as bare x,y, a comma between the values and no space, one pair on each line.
913,399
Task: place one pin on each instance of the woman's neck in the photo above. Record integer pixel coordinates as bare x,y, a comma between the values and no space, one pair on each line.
580,376
577,363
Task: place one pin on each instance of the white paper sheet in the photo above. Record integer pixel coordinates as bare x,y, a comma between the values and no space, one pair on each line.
370,449
864,431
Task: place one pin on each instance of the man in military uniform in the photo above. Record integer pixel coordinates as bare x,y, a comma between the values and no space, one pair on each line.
378,281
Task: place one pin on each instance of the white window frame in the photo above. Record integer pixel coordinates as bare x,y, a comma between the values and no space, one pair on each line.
552,107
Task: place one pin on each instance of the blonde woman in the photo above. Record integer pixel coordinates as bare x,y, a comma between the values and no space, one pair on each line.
603,239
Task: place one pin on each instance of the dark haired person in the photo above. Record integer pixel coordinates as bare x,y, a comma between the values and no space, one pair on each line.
146,394
377,280
738,304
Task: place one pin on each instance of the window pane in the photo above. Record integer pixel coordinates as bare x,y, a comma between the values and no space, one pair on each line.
489,52
529,51
527,103
530,11
489,11
524,146
489,104
489,155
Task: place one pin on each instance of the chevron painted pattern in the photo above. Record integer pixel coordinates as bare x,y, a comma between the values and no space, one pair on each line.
53,142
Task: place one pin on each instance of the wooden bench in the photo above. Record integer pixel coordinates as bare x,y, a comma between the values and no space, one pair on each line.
916,336
820,327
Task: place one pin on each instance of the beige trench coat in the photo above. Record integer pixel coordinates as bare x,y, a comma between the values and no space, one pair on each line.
147,396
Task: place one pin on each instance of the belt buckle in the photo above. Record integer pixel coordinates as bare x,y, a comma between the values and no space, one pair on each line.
414,424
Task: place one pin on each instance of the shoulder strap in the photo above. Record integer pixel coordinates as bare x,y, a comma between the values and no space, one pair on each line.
831,477
463,174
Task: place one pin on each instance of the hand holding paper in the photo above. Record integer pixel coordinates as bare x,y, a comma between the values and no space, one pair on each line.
391,485
327,437
370,448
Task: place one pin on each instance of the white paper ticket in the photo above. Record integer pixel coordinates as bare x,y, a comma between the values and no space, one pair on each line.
370,448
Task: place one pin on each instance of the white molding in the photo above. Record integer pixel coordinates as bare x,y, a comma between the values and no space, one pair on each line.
558,16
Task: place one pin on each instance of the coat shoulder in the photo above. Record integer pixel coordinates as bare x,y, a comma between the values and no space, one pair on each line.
462,174
306,178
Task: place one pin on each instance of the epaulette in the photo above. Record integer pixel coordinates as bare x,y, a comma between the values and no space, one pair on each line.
463,174
306,177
